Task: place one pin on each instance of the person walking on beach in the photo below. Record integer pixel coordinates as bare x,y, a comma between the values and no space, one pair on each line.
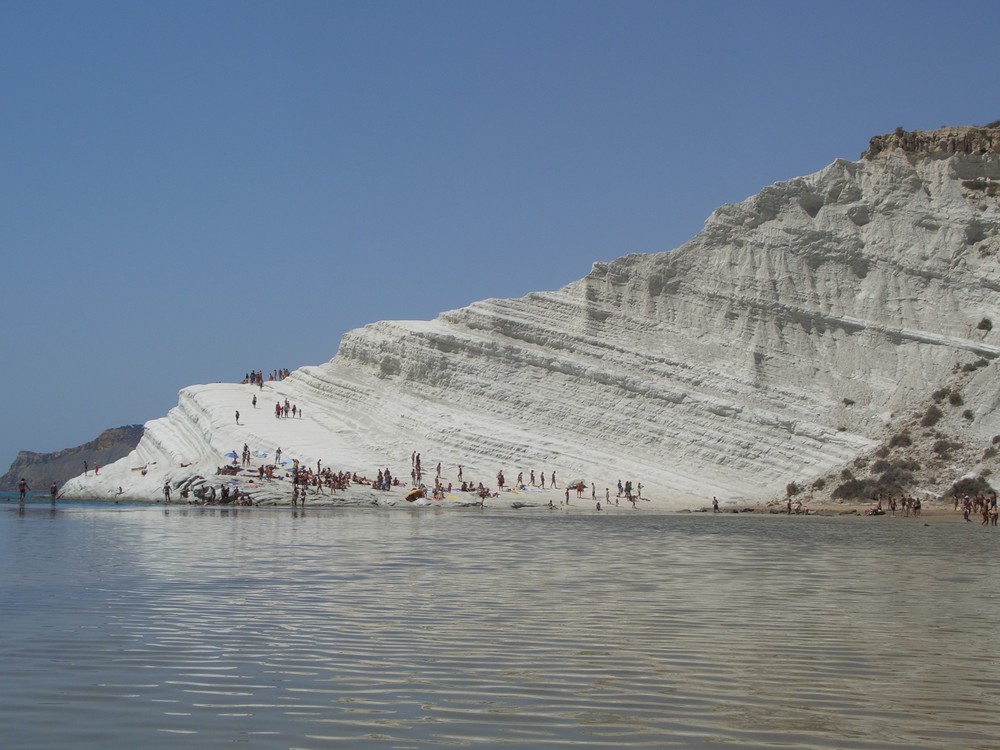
237,416
715,504
22,487
53,491
533,483
253,401
166,491
277,455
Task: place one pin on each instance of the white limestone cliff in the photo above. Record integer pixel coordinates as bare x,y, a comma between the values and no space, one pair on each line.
779,343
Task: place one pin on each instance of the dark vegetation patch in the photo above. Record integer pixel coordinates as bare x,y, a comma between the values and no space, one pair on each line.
931,416
901,440
971,486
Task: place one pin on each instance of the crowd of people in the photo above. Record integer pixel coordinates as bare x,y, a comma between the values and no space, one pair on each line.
256,377
907,503
985,507
285,409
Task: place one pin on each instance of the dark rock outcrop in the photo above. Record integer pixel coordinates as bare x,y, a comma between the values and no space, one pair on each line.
940,143
41,469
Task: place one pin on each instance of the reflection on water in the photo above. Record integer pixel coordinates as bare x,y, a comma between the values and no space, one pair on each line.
147,627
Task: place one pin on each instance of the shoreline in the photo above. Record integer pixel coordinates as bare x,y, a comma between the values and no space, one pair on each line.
363,496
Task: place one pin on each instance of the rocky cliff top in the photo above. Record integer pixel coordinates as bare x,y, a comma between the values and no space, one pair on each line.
939,143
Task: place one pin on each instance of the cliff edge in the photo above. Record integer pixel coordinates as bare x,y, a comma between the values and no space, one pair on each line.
940,143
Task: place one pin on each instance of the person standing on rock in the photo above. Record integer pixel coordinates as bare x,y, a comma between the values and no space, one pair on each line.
85,468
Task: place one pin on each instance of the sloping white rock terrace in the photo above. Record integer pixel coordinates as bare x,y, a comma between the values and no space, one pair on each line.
776,344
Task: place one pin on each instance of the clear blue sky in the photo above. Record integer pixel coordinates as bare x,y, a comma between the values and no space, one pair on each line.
191,190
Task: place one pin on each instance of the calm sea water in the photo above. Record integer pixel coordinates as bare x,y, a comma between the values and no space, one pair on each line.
149,627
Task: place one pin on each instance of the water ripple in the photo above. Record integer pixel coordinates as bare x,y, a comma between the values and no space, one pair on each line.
374,629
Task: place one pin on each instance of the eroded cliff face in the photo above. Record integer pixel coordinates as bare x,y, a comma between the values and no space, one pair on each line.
41,469
784,340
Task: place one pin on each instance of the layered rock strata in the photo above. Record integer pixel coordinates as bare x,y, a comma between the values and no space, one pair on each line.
779,343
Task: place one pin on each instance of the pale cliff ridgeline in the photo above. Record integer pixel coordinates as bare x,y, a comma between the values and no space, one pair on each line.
802,337
41,469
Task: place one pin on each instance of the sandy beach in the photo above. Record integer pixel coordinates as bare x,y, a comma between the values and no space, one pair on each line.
278,492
